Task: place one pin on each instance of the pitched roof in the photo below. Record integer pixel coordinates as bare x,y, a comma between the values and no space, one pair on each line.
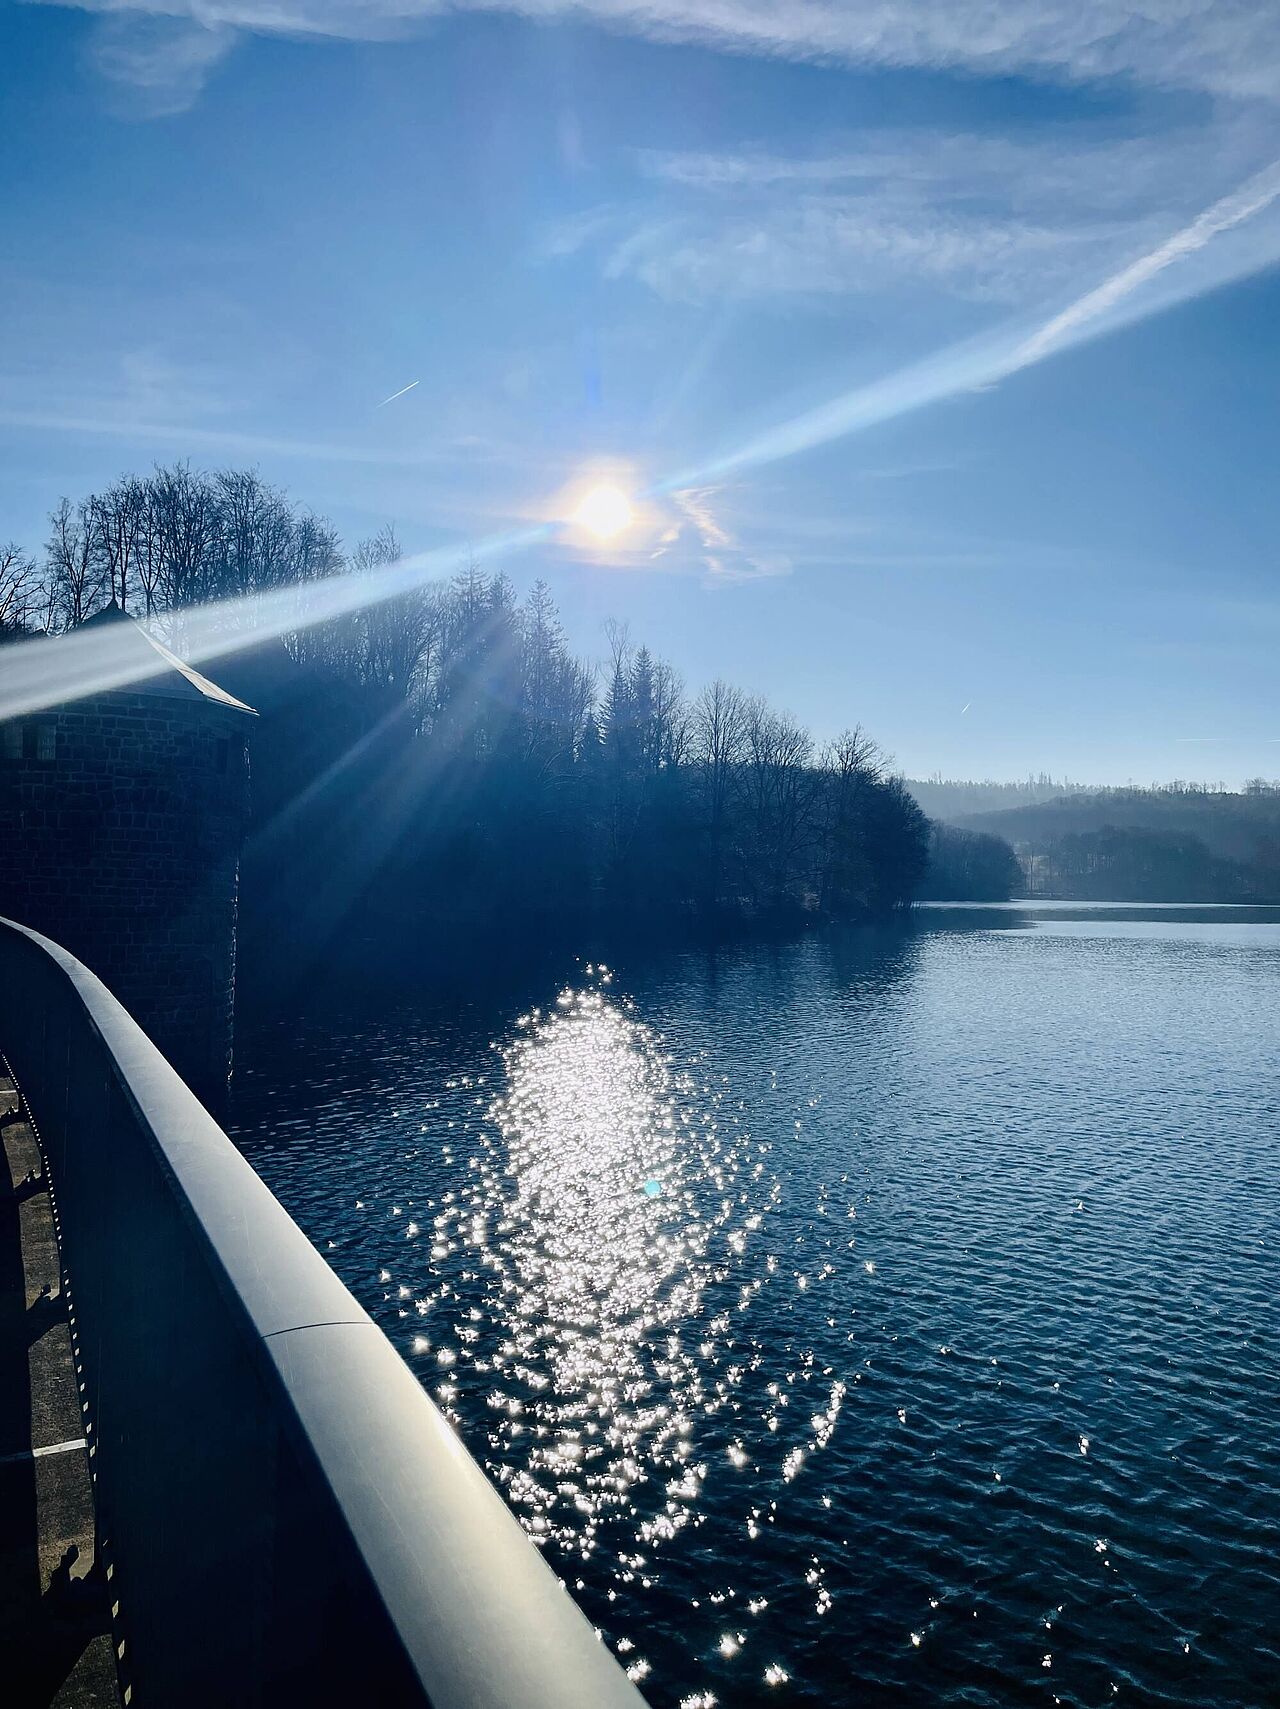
176,679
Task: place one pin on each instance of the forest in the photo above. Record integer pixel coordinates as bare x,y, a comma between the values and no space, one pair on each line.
443,756
1175,842
951,799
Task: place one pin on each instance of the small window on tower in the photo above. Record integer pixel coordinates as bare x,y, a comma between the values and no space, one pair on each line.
47,742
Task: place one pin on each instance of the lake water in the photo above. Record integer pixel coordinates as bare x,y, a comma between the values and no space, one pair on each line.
889,1319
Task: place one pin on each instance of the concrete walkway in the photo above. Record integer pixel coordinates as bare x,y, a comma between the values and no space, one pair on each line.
55,1642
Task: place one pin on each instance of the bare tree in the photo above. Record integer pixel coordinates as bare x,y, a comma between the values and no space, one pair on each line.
395,637
777,785
671,717
185,524
74,566
851,767
22,591
719,730
116,520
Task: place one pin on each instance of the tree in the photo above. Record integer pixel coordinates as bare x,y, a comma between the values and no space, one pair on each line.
898,836
393,640
23,601
183,526
778,794
970,866
117,519
74,564
718,735
850,770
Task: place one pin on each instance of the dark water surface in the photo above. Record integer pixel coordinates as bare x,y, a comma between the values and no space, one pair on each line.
882,1320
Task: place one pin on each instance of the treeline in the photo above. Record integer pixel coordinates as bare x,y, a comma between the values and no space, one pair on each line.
970,866
444,755
958,800
1130,863
953,798
489,774
1172,842
157,543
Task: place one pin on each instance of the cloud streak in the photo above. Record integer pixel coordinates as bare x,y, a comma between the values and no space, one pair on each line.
1227,47
1027,217
230,440
722,557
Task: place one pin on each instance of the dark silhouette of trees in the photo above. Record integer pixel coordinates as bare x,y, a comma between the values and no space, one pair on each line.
159,544
1139,865
718,740
1176,842
442,755
22,592
970,866
852,769
77,577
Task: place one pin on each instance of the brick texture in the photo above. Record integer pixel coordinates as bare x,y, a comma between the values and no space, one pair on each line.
124,847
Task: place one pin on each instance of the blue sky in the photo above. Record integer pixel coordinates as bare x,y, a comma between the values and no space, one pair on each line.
939,336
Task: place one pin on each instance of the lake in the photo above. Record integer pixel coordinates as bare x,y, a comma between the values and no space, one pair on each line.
888,1318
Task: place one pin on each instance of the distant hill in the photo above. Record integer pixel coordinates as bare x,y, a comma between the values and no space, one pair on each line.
952,799
1176,844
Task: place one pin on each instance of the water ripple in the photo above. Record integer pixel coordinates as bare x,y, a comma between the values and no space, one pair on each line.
883,1322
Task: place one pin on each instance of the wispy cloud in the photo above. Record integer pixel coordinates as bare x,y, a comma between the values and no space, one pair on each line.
746,567
156,64
1228,47
1009,219
695,503
827,246
182,437
1030,170
719,553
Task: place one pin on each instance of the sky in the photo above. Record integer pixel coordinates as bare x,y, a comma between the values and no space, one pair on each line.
934,342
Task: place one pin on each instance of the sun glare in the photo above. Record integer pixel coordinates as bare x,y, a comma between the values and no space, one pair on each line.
604,512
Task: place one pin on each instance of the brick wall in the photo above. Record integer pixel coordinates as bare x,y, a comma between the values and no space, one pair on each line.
121,820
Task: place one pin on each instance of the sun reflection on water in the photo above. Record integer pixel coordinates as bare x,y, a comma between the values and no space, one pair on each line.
595,1272
600,1281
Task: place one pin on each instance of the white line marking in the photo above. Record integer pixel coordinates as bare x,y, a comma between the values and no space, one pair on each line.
39,1453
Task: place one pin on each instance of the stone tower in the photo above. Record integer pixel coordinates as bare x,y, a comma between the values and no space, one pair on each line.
122,815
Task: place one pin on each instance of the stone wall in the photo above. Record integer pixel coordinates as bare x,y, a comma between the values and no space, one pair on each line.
121,821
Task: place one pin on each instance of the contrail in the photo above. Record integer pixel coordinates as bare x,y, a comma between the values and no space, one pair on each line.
399,394
1251,198
985,361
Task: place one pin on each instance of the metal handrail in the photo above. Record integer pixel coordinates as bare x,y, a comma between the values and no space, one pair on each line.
287,1516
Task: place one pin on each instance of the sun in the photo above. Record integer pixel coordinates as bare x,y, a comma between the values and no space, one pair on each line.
604,512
